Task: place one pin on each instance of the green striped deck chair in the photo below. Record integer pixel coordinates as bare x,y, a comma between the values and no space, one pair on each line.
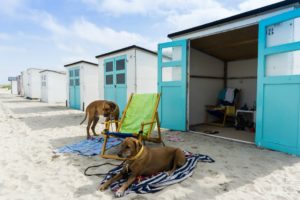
138,120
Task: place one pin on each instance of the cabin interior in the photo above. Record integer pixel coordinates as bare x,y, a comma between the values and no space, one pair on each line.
224,60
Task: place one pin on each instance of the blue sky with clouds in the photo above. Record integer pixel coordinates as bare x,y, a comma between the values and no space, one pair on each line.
51,33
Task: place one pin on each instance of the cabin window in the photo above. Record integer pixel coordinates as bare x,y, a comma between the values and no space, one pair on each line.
109,79
120,64
109,66
121,78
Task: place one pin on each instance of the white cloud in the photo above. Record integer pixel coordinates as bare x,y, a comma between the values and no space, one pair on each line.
83,39
9,7
174,14
253,4
4,36
10,48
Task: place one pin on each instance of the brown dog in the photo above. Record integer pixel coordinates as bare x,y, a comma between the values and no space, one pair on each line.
108,109
144,161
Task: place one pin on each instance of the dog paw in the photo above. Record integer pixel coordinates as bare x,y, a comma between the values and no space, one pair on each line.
119,194
102,188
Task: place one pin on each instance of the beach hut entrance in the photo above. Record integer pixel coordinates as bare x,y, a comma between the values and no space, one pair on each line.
172,83
115,87
218,62
262,61
278,110
74,88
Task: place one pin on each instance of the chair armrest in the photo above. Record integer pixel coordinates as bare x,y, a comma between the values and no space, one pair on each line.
148,123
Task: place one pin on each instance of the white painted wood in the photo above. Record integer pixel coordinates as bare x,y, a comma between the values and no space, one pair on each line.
203,91
53,87
248,21
146,74
14,87
248,87
32,83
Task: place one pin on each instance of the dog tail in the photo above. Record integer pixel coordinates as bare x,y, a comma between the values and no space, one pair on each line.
86,113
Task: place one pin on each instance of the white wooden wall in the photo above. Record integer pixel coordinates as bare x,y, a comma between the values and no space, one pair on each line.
203,91
34,83
146,66
14,87
243,68
55,89
89,84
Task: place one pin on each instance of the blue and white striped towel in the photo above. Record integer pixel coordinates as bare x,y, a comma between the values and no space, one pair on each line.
159,181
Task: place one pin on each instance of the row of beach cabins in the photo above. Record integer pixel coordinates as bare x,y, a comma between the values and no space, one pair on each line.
256,52
115,77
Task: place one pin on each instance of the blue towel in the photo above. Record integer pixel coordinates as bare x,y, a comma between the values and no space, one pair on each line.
89,147
159,181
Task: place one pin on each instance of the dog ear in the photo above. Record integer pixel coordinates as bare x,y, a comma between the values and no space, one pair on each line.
112,106
137,144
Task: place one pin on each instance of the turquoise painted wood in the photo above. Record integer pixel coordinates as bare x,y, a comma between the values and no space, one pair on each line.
115,80
74,88
278,97
172,85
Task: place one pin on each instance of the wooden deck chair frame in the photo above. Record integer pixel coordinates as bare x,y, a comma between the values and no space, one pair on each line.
139,135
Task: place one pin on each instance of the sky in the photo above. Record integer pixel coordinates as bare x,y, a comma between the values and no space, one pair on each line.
48,34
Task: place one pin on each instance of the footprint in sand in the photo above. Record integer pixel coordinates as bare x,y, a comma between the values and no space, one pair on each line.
24,177
138,197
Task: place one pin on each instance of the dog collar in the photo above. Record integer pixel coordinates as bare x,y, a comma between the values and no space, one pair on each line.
138,154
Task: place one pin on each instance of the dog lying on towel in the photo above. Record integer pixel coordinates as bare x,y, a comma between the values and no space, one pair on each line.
144,161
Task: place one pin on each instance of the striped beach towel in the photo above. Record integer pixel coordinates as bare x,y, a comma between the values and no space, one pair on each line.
161,180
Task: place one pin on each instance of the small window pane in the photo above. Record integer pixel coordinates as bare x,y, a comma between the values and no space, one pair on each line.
71,82
283,32
76,82
120,78
283,64
71,73
120,64
77,72
109,79
171,74
171,54
109,67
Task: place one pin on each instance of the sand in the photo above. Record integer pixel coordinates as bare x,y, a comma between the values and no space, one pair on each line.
31,130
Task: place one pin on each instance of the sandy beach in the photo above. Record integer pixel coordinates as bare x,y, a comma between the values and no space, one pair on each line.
31,130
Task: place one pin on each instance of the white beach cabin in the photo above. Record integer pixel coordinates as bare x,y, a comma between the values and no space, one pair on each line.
125,71
53,86
82,84
24,86
257,52
20,84
14,85
32,83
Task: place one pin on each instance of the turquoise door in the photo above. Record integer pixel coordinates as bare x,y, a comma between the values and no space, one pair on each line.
115,87
278,97
74,88
172,83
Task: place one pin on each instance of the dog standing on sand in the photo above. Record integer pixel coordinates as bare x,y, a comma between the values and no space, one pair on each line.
144,161
108,109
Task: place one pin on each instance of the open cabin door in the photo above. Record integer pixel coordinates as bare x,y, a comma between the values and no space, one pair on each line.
278,92
172,84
